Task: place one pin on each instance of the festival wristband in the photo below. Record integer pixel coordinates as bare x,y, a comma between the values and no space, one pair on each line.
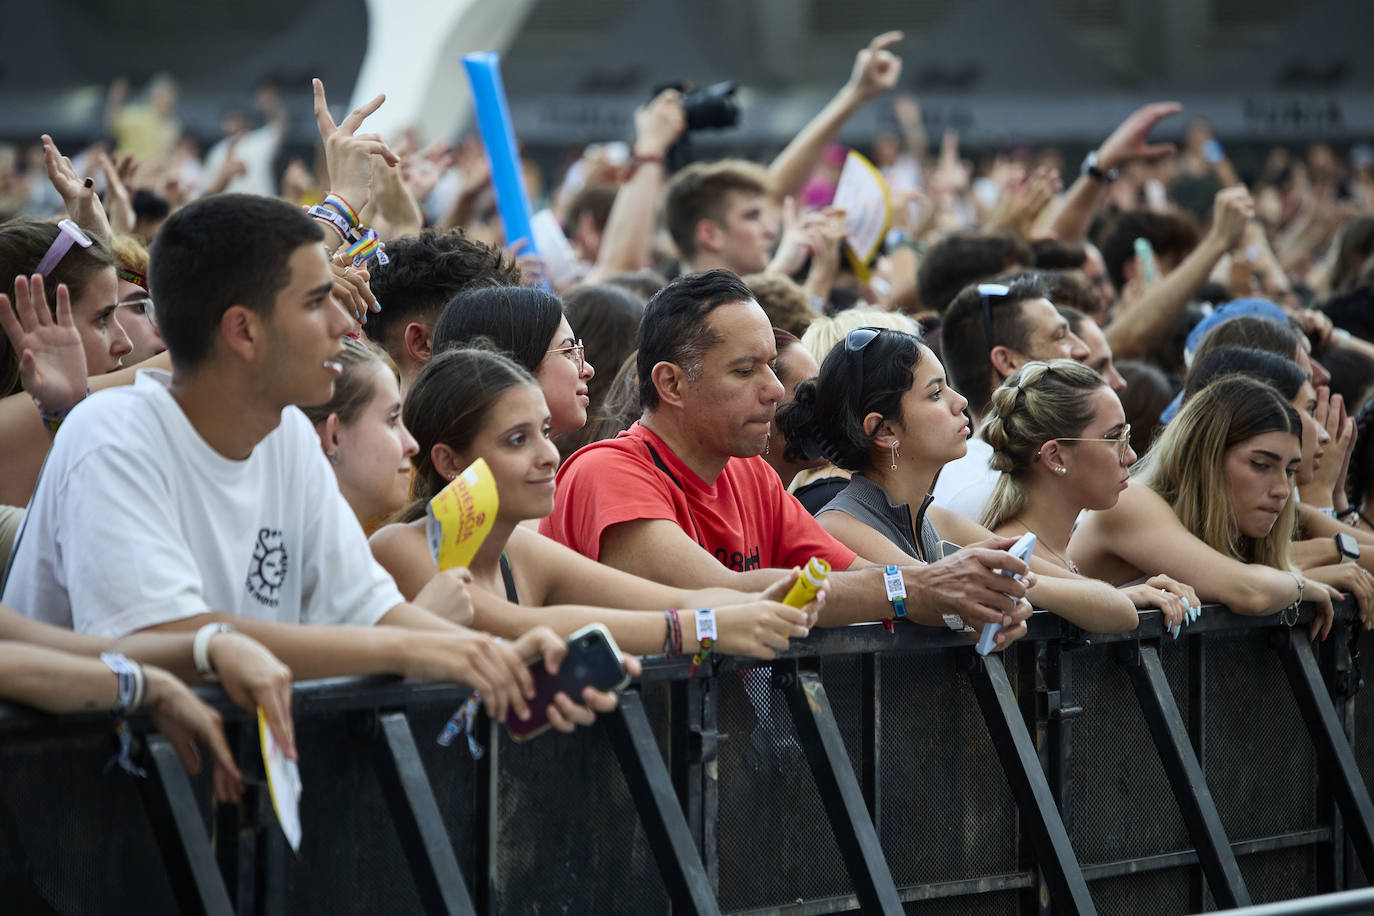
706,636
339,205
51,421
896,590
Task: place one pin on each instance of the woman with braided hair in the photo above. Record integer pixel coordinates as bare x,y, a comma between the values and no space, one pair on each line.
882,409
1062,444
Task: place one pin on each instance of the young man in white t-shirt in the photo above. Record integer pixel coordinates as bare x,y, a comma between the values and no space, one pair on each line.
202,494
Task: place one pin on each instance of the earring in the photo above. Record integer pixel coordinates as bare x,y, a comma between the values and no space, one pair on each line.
895,443
1062,470
766,445
334,457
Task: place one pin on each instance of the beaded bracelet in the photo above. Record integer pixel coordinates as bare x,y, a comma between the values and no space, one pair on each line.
51,421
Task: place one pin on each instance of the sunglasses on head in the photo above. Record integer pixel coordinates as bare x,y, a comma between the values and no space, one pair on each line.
854,342
987,292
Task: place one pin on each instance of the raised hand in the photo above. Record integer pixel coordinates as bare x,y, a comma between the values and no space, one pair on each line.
659,124
876,69
52,360
1130,141
78,194
347,153
120,209
1232,210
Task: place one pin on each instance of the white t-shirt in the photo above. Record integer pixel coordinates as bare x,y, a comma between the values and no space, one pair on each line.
966,484
137,521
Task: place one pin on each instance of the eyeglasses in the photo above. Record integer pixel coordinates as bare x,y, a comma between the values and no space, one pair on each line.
577,353
1123,441
854,342
142,306
986,292
69,234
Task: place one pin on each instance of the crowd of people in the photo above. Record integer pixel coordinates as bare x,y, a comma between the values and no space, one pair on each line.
228,396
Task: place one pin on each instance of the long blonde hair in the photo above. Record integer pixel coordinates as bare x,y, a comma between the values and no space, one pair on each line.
1042,401
1186,465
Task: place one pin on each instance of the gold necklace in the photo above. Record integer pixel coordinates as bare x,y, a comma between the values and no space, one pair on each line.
1070,565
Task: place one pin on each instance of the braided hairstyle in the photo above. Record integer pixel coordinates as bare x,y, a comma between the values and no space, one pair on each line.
826,415
1042,401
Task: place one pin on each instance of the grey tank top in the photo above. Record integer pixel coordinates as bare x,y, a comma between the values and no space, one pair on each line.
869,503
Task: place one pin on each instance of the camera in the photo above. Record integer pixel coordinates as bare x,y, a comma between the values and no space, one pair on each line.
712,106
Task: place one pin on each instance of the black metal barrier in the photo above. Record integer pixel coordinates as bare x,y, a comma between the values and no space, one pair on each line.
861,772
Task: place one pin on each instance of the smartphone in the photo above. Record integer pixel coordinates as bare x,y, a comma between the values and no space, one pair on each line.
1212,151
1022,551
593,660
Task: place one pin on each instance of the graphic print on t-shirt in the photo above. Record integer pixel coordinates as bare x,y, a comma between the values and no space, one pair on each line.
267,569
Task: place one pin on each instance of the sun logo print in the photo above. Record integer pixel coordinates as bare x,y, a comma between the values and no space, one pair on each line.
267,570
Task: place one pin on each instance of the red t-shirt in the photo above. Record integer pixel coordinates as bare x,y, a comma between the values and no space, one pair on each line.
745,519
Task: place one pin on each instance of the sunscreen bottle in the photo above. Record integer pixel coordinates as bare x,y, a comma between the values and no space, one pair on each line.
808,583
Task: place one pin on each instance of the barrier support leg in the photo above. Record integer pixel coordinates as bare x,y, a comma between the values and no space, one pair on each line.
171,806
844,801
1336,761
684,876
1186,778
1021,763
420,825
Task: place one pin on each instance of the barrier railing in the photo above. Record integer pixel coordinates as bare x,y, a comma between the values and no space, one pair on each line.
861,772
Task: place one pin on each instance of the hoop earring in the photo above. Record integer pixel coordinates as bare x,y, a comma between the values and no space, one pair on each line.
895,443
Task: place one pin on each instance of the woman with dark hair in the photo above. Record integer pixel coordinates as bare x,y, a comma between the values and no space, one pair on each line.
794,366
882,409
607,317
528,325
471,403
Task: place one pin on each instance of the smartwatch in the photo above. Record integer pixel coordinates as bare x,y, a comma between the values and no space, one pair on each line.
1095,172
1347,547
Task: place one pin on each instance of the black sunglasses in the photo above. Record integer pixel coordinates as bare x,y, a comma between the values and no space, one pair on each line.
854,342
986,292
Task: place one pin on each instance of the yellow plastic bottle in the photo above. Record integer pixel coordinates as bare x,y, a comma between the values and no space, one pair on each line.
808,583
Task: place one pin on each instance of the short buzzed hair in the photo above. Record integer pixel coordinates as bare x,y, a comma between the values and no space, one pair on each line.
699,192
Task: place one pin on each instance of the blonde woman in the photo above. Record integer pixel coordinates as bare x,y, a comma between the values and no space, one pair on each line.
1213,505
1060,439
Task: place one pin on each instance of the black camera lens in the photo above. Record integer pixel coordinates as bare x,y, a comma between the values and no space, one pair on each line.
712,107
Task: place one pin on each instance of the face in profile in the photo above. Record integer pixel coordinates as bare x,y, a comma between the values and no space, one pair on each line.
731,399
1099,458
515,442
1314,436
96,315
563,374
1260,473
935,428
135,314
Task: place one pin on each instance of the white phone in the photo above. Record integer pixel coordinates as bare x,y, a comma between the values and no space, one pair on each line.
1021,550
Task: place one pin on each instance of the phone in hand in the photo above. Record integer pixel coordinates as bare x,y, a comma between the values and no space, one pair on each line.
1022,550
593,660
1145,252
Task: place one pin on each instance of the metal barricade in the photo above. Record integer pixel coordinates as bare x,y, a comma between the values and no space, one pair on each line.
862,771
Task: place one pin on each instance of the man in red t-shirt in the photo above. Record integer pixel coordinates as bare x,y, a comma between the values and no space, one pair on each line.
683,497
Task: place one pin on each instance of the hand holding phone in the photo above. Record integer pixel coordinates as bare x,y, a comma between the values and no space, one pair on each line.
1022,550
593,660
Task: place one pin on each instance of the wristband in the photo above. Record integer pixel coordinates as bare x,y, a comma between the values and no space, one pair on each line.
706,636
1328,511
340,206
200,650
51,421
637,160
132,684
1348,512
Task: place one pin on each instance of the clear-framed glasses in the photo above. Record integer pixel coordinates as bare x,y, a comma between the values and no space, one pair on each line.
140,306
1122,441
577,353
